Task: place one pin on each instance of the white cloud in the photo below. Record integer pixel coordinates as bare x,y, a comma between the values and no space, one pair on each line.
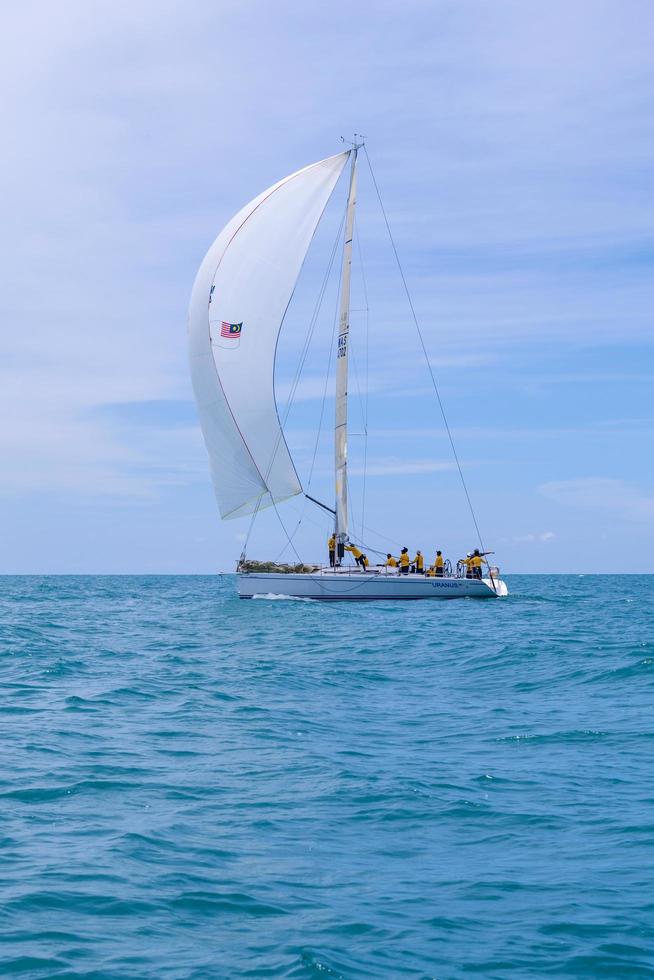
538,537
601,493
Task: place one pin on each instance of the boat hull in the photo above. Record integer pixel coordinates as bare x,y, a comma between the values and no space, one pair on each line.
329,586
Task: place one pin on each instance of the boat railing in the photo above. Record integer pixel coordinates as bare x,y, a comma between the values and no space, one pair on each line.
459,572
489,571
393,572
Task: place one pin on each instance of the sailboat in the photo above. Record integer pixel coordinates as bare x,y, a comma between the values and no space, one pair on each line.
238,304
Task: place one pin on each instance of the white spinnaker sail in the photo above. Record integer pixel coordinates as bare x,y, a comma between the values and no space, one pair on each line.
238,302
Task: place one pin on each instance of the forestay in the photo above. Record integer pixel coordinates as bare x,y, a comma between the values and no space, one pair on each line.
238,302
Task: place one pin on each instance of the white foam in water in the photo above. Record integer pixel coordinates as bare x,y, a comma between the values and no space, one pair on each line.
286,598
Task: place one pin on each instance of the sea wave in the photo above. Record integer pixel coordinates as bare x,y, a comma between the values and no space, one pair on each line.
197,786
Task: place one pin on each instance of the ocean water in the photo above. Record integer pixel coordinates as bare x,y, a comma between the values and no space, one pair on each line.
196,786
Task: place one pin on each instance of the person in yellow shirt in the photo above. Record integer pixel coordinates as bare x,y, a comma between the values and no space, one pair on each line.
390,561
438,564
357,554
405,561
431,571
478,560
419,563
467,561
331,545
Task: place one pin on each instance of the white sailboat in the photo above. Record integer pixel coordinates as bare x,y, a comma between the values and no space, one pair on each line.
238,303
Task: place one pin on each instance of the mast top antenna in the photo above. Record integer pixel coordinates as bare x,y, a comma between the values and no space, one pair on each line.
355,144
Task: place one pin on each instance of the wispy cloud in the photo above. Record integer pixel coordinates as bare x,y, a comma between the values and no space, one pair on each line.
399,467
535,537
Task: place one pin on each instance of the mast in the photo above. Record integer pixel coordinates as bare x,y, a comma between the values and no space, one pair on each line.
340,431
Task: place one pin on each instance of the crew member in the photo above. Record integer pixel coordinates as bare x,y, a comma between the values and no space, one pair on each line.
477,561
438,564
405,561
467,561
331,544
390,561
419,563
357,554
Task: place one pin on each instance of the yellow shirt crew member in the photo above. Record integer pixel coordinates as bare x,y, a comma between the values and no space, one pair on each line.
331,547
358,555
390,561
467,561
477,561
419,562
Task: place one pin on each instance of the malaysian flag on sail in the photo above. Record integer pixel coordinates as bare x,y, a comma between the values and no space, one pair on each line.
232,330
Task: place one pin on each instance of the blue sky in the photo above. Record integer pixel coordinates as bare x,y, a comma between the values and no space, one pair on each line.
513,144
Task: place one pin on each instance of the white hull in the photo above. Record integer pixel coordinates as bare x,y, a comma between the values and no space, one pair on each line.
369,585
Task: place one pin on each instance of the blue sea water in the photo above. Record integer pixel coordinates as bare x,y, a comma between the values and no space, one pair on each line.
196,786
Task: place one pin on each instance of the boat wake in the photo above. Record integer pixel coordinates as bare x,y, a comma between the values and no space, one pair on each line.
274,596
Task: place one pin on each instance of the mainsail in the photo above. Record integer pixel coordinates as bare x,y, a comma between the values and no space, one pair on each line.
238,302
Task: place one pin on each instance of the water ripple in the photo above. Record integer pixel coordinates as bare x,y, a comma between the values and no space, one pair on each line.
199,787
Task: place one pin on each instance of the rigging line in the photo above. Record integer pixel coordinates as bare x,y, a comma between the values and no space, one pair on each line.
305,352
351,512
296,378
386,537
310,520
352,353
424,350
327,373
322,409
373,551
367,547
324,394
250,526
303,517
366,381
311,575
363,401
312,325
289,539
311,330
281,553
